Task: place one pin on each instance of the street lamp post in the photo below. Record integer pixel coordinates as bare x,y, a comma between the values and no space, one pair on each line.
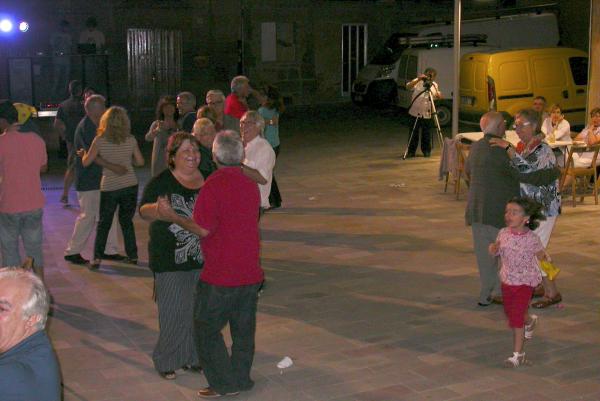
456,88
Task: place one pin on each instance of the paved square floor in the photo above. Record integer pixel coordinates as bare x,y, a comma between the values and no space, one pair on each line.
372,290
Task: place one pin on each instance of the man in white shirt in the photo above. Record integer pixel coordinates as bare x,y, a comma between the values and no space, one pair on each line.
260,157
421,111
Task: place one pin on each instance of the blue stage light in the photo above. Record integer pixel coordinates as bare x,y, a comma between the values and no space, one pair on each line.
23,26
6,25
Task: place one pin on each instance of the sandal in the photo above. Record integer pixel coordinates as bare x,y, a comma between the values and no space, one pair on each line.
546,302
170,375
518,359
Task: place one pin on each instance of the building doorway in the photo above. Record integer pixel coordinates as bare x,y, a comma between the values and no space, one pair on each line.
354,53
154,66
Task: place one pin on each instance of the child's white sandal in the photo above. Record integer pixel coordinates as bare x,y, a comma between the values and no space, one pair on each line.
518,359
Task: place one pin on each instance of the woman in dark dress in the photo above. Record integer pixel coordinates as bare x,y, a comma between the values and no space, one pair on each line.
174,252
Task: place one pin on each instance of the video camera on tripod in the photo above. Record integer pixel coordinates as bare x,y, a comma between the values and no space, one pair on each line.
427,81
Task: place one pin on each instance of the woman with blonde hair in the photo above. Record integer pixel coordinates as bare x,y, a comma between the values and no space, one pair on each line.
114,143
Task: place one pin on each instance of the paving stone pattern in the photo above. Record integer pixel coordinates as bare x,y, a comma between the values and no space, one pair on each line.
372,290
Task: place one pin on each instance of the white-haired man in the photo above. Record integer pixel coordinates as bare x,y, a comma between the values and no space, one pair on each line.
215,100
186,104
236,103
28,366
226,215
260,156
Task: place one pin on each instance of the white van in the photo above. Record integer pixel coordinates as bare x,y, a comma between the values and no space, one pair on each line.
378,81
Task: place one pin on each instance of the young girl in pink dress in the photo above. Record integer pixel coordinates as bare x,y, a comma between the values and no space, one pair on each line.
519,249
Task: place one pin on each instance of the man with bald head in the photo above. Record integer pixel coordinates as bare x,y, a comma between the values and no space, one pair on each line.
492,182
28,366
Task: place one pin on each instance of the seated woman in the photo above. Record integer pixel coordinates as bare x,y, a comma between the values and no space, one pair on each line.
556,128
591,136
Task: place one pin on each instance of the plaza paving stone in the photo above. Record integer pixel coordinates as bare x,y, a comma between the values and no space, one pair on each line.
372,290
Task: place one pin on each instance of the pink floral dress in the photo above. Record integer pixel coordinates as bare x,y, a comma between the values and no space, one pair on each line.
519,265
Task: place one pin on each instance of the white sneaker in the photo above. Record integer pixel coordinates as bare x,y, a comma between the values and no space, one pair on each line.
529,328
518,359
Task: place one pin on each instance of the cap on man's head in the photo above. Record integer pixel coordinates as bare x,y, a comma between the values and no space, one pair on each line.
8,111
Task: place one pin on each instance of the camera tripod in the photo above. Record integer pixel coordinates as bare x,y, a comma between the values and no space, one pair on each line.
434,116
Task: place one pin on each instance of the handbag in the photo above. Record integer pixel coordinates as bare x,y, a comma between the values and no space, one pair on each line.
550,269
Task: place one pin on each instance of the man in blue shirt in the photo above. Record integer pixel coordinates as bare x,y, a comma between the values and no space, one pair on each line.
28,366
87,185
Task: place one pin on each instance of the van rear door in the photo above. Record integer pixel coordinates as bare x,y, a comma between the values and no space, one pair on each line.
474,100
514,88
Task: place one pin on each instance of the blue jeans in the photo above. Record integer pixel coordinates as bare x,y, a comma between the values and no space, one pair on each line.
28,226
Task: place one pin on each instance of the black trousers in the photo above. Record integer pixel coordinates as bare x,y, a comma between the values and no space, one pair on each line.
215,307
423,129
275,196
126,200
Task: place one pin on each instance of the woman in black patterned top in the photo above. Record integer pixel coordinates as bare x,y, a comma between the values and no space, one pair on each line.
174,252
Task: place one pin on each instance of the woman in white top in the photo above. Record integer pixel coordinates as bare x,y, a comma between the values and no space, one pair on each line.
115,143
556,128
591,136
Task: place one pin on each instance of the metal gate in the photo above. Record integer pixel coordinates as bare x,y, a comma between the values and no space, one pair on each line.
354,53
154,65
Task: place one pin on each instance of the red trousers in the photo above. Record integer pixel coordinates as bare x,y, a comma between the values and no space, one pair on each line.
516,302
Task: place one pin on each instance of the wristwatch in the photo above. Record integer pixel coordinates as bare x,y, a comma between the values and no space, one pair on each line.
507,147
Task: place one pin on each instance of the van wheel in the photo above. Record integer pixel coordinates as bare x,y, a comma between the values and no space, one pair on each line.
444,115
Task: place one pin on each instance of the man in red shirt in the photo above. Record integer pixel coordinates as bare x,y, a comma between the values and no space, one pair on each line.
226,215
236,103
22,159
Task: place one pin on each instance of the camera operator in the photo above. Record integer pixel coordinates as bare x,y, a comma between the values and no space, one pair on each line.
420,110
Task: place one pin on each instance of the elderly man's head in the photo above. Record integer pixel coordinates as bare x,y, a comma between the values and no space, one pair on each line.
240,85
24,305
204,132
252,125
186,102
539,104
95,106
228,149
215,99
492,123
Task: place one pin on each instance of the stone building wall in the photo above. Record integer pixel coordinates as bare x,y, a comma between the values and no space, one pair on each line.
211,32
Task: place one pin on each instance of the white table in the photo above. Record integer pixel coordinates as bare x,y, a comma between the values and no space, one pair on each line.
510,136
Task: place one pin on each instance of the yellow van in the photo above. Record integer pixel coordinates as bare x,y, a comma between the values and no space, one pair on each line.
508,80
